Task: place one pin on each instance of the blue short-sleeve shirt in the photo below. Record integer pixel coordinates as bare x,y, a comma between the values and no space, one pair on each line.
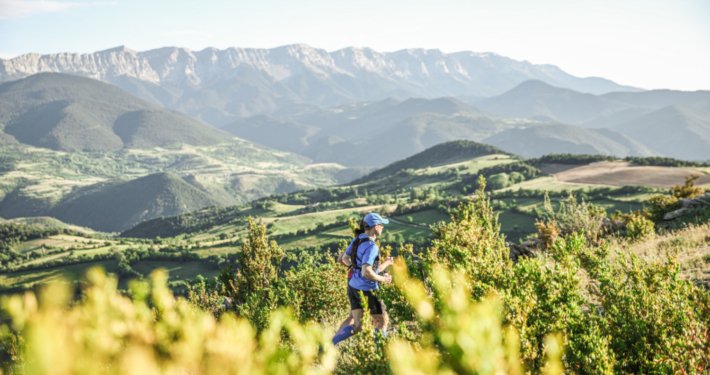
367,253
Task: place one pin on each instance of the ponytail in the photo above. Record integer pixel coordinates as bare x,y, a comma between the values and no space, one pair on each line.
361,229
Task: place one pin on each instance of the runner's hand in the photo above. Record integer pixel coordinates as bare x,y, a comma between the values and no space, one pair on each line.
387,278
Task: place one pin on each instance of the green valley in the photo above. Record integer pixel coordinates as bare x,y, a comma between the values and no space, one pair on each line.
416,193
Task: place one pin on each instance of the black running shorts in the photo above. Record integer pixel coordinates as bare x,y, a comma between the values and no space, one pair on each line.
374,304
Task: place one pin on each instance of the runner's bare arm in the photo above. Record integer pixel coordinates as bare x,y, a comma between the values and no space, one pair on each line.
344,259
370,274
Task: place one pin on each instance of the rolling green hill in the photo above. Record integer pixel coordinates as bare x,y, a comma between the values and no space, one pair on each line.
35,180
71,113
441,154
117,206
445,168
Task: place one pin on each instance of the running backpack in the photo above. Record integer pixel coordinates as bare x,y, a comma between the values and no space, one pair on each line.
353,253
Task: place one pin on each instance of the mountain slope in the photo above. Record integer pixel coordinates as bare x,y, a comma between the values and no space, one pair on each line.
376,148
539,140
65,112
118,206
268,131
537,99
389,128
657,99
677,131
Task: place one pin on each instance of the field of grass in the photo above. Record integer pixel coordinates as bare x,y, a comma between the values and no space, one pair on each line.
63,241
181,270
423,218
291,224
216,250
471,166
29,278
690,247
315,240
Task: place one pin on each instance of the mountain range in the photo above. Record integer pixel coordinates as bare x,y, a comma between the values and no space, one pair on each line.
219,86
531,120
115,137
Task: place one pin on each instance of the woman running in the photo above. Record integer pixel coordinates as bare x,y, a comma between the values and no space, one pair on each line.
363,255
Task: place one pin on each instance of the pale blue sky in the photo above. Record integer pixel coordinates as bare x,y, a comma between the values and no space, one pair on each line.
645,43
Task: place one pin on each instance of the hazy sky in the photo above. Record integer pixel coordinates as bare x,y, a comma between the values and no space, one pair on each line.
644,43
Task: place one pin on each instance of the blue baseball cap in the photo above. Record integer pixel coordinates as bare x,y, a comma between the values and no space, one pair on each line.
373,219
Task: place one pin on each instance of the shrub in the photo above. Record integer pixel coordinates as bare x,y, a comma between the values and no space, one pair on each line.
499,181
638,226
315,289
576,217
472,242
205,297
458,335
688,190
546,298
258,262
250,283
364,353
547,232
657,322
660,205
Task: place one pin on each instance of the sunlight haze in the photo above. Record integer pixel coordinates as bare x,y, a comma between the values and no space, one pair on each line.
647,44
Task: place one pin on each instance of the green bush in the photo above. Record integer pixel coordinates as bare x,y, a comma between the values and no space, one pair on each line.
659,205
657,322
638,227
576,217
471,241
314,289
499,181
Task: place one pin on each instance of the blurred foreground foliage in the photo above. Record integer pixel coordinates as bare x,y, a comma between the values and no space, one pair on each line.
152,332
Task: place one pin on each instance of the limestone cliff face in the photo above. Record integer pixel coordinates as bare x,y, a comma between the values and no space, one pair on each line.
103,65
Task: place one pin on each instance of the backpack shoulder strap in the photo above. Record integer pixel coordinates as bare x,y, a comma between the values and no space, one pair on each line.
353,251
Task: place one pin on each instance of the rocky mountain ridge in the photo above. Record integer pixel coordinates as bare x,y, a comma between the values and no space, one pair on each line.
220,85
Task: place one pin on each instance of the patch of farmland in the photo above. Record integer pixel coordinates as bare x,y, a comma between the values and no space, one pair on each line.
621,173
551,183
